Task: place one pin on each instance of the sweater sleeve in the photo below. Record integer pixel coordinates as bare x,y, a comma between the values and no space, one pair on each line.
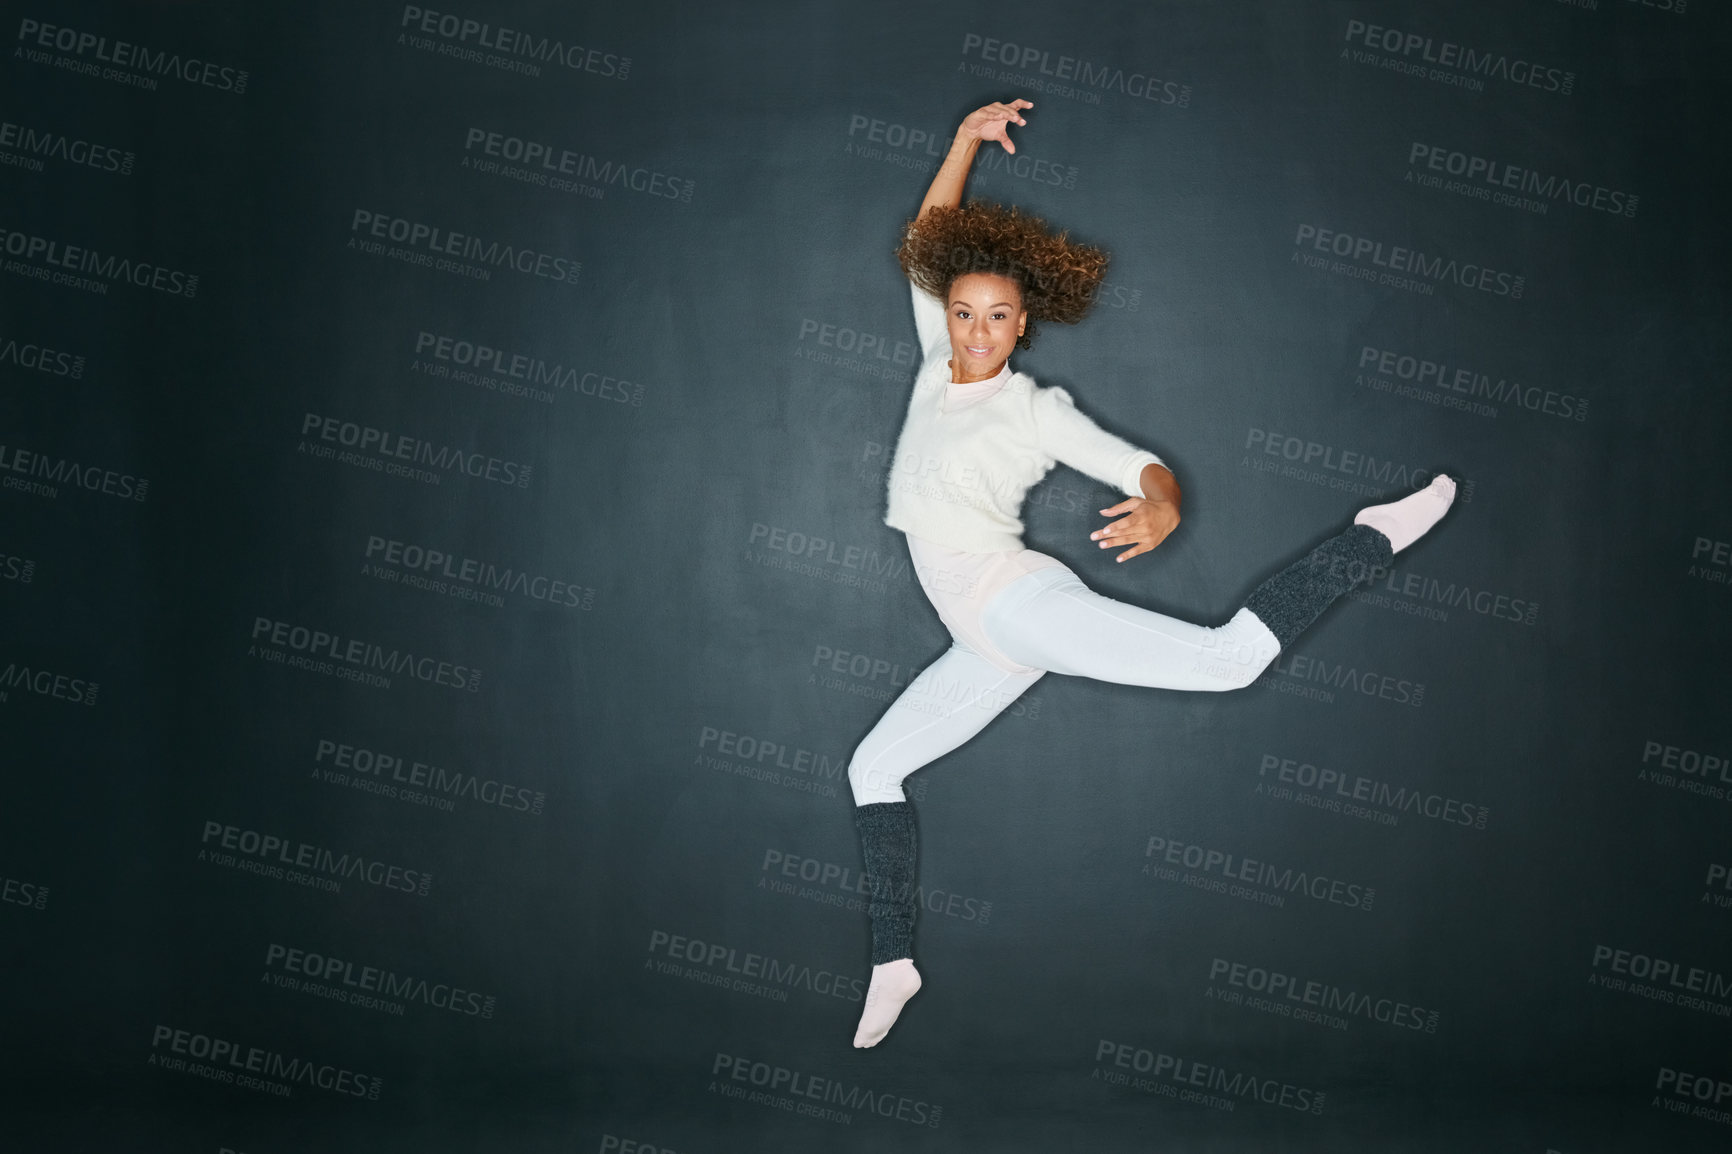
930,325
1067,435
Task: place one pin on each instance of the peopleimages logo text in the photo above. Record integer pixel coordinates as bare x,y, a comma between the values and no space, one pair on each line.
1409,261
434,239
232,1060
464,32
281,851
1419,50
123,54
354,651
102,266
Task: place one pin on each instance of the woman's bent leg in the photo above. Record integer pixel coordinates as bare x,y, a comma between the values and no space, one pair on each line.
887,844
949,702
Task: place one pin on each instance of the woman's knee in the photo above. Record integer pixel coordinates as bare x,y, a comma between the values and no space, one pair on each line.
1231,660
872,780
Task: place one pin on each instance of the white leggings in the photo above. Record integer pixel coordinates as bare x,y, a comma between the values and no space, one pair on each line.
1050,621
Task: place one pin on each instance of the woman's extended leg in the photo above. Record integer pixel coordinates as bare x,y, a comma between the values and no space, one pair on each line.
949,702
1051,620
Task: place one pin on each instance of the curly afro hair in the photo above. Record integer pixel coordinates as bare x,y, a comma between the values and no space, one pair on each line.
1058,279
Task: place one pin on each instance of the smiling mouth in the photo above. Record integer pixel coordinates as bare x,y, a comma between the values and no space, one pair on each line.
979,350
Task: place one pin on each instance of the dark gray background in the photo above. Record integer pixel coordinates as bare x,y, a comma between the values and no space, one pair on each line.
1046,815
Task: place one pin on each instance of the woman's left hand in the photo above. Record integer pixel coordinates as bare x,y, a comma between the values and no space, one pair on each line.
1145,524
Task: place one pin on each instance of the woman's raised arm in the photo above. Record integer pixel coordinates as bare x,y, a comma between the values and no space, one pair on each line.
987,123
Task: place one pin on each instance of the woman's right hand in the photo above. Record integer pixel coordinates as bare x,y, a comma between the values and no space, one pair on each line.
992,122
988,123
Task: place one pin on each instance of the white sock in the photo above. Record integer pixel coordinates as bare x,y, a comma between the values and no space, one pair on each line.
893,983
1405,521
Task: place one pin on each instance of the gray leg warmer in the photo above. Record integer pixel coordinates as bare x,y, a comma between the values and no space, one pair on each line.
1292,599
887,843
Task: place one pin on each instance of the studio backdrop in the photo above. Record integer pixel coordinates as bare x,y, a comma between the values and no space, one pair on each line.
444,578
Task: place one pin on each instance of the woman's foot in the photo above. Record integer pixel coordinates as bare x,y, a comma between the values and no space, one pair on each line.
893,983
1406,521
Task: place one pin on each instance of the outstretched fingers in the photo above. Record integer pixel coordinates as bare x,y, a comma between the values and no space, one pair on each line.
1106,533
1128,505
1114,537
992,122
1143,528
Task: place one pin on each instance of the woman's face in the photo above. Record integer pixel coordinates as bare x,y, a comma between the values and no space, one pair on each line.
986,317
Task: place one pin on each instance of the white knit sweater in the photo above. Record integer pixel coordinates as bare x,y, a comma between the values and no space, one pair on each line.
958,478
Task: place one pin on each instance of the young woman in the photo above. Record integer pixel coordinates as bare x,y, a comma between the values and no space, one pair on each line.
975,438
